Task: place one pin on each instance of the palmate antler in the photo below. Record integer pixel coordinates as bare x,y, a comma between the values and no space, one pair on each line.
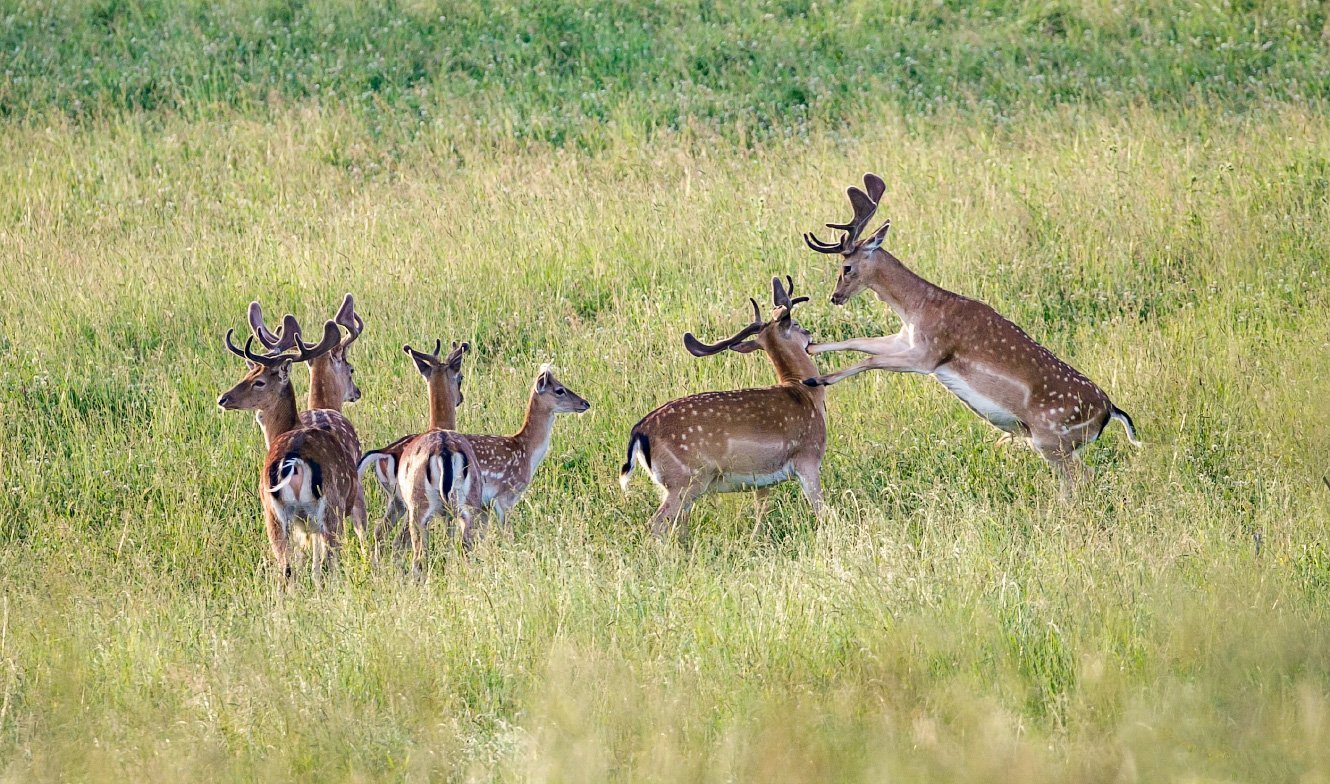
864,204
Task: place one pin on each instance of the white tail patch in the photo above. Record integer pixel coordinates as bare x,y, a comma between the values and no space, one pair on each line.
1127,425
293,486
384,467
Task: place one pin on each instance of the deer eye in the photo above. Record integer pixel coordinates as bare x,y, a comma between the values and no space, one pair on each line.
558,391
847,269
260,383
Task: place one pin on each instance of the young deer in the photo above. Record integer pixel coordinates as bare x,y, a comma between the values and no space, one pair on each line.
991,364
433,473
331,384
508,463
443,379
748,439
308,479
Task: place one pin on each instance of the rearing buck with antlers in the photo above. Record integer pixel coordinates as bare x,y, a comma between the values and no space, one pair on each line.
331,384
991,364
747,439
307,482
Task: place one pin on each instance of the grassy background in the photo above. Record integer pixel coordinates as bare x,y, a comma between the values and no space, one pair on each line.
1144,188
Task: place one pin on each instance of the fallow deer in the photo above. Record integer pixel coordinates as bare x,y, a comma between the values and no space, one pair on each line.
508,463
747,439
992,365
434,473
331,384
307,482
443,378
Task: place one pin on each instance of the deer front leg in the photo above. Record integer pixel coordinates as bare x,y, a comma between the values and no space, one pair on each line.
760,497
893,353
865,345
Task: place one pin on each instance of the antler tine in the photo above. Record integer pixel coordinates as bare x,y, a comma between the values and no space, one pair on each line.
779,297
438,346
789,285
267,360
699,349
864,204
259,328
286,335
459,350
332,336
347,317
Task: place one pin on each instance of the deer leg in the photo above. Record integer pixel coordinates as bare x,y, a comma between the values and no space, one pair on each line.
416,522
278,541
760,497
359,521
672,514
1072,473
905,359
882,345
809,475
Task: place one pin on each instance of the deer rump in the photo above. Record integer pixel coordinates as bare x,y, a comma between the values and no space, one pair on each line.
305,469
437,471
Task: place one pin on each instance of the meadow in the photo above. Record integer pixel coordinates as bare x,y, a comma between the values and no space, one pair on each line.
1144,187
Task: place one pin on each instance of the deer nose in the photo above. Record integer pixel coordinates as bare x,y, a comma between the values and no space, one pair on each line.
586,406
224,401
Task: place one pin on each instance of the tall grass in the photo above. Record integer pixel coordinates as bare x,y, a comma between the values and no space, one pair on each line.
949,620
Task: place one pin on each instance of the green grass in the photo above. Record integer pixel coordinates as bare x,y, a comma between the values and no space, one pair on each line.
950,620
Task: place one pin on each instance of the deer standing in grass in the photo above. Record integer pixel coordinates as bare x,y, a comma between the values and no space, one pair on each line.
747,439
508,463
331,384
991,364
434,473
308,479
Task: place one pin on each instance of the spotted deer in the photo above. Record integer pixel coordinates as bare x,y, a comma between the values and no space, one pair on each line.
746,439
308,479
331,384
508,463
992,365
434,473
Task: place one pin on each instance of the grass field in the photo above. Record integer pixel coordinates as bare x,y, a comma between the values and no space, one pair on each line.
1144,187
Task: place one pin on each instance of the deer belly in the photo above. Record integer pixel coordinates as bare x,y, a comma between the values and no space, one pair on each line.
981,404
732,482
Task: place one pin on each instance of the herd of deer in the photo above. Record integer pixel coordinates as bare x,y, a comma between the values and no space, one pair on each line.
714,442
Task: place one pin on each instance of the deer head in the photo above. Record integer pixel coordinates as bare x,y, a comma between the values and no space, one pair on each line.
860,257
333,374
268,378
784,341
554,396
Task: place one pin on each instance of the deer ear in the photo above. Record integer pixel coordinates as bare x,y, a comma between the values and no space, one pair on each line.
874,242
542,383
745,347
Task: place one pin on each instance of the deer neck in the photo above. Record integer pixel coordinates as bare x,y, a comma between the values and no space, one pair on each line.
279,417
537,429
896,285
442,409
324,391
792,363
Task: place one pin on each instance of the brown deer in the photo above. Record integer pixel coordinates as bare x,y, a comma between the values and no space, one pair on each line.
434,473
991,364
747,439
307,482
508,463
331,384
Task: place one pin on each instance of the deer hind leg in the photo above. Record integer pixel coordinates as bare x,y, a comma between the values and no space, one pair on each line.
760,498
1072,473
809,474
672,516
279,542
359,521
417,522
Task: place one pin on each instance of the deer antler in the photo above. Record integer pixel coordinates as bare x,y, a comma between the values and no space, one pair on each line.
864,204
699,349
347,317
283,340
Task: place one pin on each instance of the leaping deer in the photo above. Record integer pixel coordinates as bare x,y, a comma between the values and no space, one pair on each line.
331,384
434,473
307,482
746,439
992,365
